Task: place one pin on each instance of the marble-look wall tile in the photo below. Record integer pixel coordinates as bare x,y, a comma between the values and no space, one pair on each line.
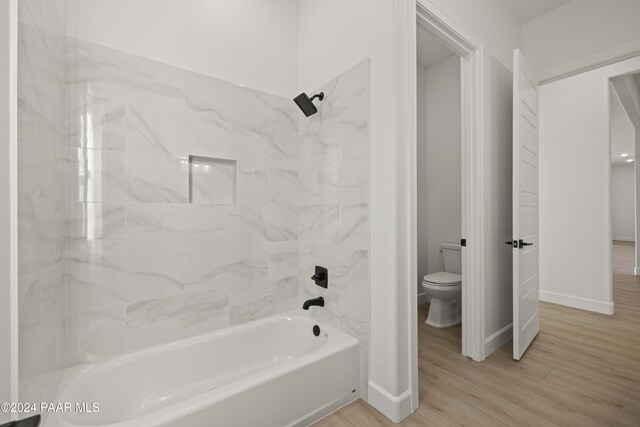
226,267
354,138
283,186
157,131
95,228
264,300
319,223
96,282
259,149
95,123
108,73
175,226
308,187
283,260
93,335
261,127
144,266
334,192
309,138
145,228
259,224
282,125
41,288
116,177
42,336
226,103
166,319
354,224
40,228
41,92
253,185
42,14
352,314
347,310
42,344
41,170
350,266
344,182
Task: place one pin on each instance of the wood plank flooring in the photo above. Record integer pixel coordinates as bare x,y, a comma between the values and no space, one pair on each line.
583,369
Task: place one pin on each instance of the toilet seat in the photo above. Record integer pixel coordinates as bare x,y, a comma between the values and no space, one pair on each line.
442,279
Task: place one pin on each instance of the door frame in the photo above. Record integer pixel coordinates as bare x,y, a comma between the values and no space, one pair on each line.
623,91
426,15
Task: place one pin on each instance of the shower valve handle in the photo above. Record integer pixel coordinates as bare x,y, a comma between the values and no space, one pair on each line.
321,277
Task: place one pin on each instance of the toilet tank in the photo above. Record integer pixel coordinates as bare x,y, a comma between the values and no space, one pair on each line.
452,254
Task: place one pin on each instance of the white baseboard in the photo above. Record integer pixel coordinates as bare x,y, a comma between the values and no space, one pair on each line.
603,307
636,271
396,408
498,339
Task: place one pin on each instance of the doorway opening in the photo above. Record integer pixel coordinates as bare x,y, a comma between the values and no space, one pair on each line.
471,59
439,189
624,133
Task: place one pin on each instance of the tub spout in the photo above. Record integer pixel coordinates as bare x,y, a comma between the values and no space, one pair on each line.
313,301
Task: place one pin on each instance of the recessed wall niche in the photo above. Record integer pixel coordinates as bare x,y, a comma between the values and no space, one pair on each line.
212,180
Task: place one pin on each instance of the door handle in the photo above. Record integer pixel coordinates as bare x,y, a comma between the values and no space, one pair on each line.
512,243
522,244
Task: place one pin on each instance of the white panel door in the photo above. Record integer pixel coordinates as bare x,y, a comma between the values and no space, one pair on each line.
526,293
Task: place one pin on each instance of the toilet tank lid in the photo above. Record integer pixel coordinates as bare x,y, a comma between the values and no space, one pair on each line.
443,278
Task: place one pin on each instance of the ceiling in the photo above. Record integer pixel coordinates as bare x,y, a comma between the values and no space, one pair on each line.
430,49
526,10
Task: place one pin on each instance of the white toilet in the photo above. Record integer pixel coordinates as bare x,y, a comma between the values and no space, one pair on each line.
445,289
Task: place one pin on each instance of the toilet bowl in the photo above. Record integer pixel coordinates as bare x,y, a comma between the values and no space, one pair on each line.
444,288
445,291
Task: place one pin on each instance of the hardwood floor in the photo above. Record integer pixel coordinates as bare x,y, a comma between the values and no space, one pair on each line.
583,369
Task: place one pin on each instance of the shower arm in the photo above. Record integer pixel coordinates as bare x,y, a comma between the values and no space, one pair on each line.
317,95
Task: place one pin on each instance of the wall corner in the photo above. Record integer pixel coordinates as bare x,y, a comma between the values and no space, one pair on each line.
396,408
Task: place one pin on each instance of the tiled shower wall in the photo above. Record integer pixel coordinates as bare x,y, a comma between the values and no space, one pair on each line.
41,194
333,216
144,265
143,253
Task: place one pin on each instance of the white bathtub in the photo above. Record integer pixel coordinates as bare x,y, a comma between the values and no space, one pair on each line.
271,372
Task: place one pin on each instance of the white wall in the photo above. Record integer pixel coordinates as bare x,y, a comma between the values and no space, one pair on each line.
623,222
439,162
575,189
579,29
335,34
249,42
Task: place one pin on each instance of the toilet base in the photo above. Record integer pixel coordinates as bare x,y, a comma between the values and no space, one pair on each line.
444,314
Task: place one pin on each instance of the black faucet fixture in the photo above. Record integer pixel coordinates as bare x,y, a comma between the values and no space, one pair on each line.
313,301
321,277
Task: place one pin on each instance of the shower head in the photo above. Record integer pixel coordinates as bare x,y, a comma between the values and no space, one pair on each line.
306,104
